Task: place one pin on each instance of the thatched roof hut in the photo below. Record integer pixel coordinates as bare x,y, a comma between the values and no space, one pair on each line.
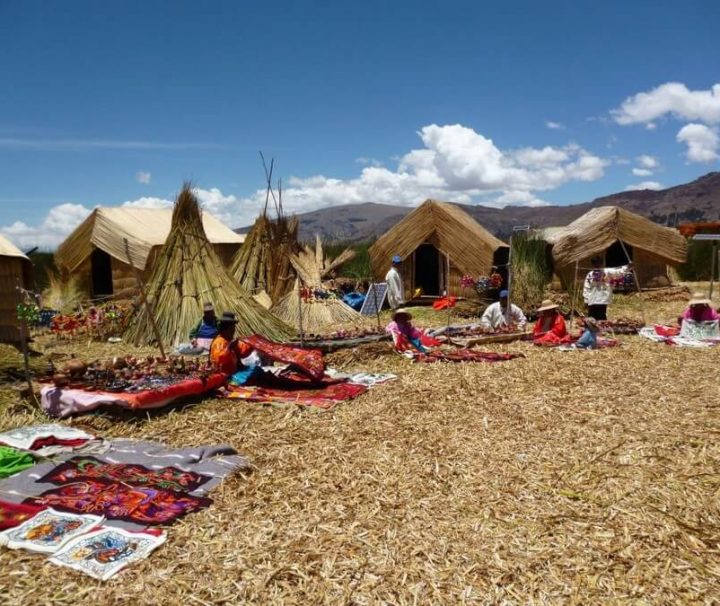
602,232
15,270
95,251
430,236
189,273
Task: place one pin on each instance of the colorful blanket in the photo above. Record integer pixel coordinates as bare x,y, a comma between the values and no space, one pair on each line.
48,531
14,514
326,397
104,552
46,440
670,335
60,402
308,361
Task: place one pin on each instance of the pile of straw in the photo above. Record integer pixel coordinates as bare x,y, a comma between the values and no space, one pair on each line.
263,261
316,315
63,293
189,273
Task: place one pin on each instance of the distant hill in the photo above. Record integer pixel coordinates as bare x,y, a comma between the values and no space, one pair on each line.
698,200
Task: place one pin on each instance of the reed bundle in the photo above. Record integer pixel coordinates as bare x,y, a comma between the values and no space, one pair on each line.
189,273
262,263
63,293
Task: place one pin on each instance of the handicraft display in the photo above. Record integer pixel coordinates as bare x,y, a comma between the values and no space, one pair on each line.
48,531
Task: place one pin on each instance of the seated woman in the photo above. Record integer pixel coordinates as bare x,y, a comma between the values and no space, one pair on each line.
206,330
550,327
405,336
227,352
588,339
699,320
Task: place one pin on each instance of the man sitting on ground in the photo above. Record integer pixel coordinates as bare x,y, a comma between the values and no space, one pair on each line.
496,315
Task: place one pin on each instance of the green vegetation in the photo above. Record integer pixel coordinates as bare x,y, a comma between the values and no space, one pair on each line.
531,270
699,261
358,268
44,264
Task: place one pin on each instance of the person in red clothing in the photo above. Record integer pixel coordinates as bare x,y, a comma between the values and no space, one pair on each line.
550,327
226,351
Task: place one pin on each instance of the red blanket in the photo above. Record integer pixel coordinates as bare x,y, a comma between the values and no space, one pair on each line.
14,514
309,361
326,397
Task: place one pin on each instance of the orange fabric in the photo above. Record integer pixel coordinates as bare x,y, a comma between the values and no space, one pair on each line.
555,336
226,354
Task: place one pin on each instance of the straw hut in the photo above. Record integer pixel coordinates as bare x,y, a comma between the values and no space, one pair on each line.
95,251
320,309
439,243
613,234
15,270
189,273
262,265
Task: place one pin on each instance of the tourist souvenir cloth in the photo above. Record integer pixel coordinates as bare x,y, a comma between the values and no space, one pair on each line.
91,468
700,331
104,552
14,514
324,397
465,355
215,462
368,379
48,530
670,336
46,440
309,361
141,505
13,461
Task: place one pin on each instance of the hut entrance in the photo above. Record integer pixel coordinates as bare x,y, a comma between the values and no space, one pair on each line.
427,269
101,272
615,255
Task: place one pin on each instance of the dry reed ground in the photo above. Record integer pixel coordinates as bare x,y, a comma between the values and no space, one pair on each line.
559,478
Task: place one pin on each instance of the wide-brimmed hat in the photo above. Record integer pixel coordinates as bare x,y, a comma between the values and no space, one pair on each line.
401,311
590,322
208,307
699,299
547,305
227,317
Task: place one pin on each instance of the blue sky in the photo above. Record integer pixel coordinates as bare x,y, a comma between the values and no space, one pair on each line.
119,102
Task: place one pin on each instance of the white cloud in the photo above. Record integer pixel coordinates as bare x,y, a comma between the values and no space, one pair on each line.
647,161
672,98
454,163
645,185
144,177
650,126
362,160
58,223
641,172
703,142
554,125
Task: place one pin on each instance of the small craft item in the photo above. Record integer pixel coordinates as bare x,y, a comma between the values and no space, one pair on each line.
49,530
45,440
104,552
14,514
13,461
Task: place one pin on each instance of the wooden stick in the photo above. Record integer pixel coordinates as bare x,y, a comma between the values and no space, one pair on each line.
300,322
713,258
23,343
573,298
143,296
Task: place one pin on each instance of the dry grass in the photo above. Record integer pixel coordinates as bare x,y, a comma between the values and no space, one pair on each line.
580,478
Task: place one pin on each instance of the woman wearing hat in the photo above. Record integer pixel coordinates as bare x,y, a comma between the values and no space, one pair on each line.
405,336
550,327
699,310
206,330
395,288
226,352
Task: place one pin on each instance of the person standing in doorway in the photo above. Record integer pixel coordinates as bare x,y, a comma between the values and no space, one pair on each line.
597,291
395,288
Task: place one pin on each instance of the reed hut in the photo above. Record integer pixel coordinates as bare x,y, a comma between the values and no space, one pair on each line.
95,253
188,273
617,236
439,243
15,270
310,303
262,265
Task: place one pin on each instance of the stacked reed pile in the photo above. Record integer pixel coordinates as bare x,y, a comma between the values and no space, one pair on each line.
189,273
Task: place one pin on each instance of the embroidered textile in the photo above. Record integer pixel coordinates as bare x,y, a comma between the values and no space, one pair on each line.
90,468
117,501
36,437
49,530
14,514
104,552
309,361
325,397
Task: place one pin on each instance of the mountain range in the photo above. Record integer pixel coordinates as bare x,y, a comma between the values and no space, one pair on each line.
698,200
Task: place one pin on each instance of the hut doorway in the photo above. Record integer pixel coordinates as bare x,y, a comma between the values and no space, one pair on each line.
615,255
427,269
101,273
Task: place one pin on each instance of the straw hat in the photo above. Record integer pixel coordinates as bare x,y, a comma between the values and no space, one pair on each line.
401,311
590,323
699,299
547,305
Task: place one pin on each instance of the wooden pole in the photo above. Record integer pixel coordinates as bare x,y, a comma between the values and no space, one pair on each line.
509,283
573,297
714,256
23,343
300,318
637,282
377,307
143,296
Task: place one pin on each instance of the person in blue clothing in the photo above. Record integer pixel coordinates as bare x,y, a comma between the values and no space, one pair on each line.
207,327
588,340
